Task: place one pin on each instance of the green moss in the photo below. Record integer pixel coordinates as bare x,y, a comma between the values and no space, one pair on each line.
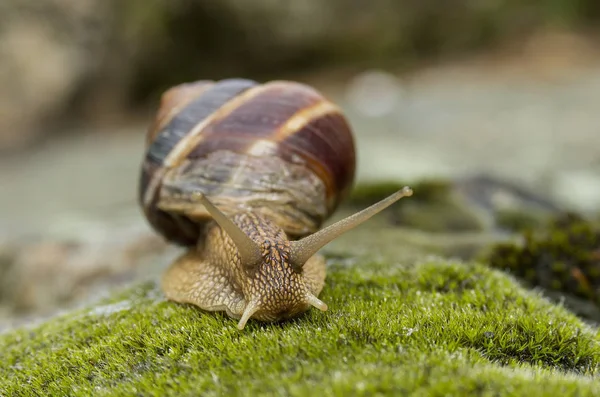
519,220
433,328
369,193
565,257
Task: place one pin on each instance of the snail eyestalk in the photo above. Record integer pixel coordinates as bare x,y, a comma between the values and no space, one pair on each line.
303,249
249,251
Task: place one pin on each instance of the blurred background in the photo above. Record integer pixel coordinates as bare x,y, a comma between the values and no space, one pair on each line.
505,89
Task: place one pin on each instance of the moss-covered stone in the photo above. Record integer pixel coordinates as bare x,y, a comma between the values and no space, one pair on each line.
473,204
433,206
565,257
518,220
431,328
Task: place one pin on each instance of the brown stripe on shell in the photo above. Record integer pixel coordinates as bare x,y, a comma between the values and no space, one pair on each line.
304,116
303,126
238,143
266,112
174,132
171,103
326,144
261,117
203,130
178,131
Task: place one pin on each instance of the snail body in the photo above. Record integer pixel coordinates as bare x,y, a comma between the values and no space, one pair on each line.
244,175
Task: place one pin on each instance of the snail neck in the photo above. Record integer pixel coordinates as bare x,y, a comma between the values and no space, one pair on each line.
262,228
259,231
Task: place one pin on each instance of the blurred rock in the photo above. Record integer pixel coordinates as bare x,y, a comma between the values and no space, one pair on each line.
39,275
47,49
504,204
463,204
62,59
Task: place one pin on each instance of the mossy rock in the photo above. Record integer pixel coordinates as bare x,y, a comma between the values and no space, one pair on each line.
470,204
434,327
433,206
563,257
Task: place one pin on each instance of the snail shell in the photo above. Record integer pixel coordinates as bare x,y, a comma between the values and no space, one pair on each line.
278,149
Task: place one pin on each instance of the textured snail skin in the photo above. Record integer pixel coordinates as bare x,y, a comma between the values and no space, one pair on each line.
215,279
243,175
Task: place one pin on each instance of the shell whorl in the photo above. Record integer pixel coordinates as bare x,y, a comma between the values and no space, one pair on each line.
288,120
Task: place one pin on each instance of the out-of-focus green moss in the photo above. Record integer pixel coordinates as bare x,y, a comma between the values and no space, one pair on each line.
564,257
446,206
369,193
433,206
519,220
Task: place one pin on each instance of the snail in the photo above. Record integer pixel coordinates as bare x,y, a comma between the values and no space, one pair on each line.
243,174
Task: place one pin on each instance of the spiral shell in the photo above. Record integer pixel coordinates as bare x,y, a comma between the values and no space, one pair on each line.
279,148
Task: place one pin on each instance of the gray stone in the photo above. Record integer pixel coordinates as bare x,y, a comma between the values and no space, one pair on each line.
47,49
